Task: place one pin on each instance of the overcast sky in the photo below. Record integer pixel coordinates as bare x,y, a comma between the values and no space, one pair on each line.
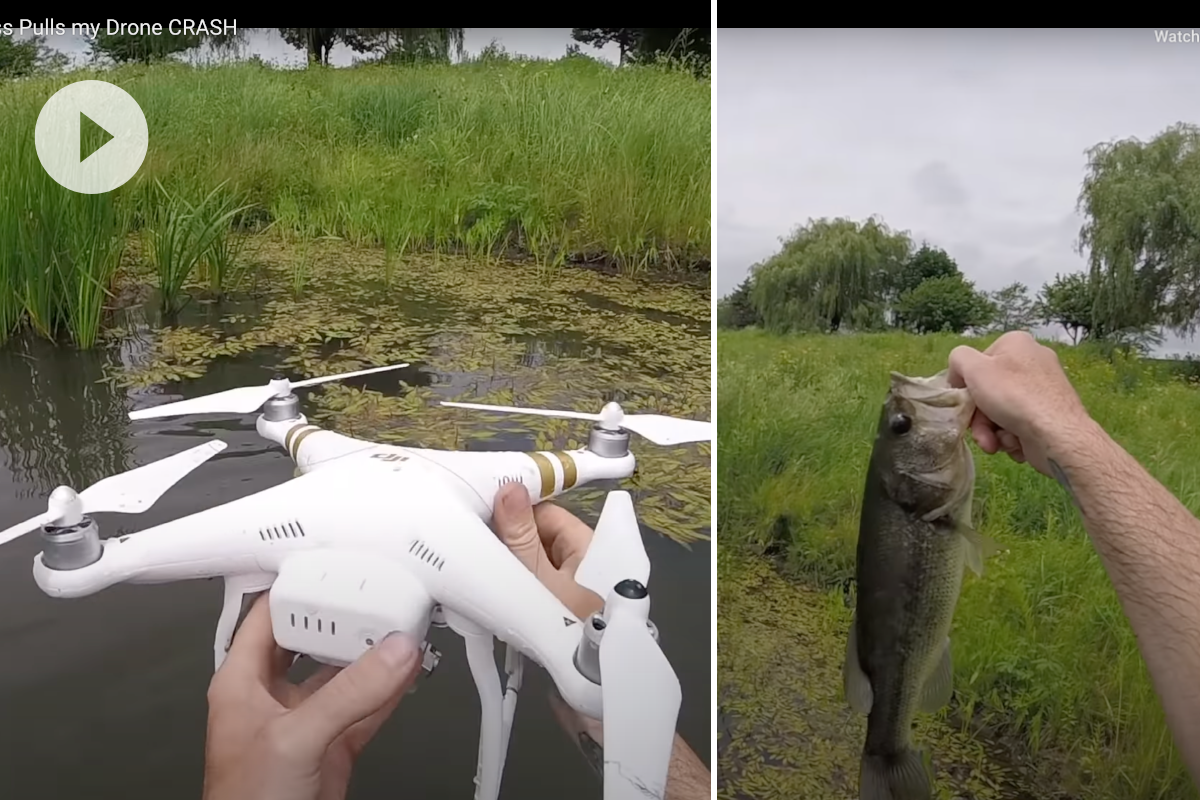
973,140
270,46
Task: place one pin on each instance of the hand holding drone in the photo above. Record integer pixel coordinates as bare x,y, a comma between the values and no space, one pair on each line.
374,538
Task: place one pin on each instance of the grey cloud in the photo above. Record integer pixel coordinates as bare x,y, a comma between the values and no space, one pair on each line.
936,184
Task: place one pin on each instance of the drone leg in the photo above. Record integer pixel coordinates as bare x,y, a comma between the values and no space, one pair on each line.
514,666
481,657
237,589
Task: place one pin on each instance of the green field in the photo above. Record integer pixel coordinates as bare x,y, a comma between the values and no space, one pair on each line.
1045,661
558,161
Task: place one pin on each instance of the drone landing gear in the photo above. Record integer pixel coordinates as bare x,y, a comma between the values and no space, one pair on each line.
497,704
587,655
240,591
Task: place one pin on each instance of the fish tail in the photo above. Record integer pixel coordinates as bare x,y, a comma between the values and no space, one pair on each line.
895,776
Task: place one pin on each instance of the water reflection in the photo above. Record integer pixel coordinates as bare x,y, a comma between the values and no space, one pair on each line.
58,422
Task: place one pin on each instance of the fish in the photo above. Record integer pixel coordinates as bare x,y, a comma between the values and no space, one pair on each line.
915,542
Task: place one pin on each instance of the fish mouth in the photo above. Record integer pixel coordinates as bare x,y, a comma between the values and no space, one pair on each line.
933,391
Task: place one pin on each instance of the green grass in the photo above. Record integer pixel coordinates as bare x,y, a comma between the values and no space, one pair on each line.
556,160
1042,651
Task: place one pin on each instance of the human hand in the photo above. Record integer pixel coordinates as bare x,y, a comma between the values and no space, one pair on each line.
1024,401
550,541
270,739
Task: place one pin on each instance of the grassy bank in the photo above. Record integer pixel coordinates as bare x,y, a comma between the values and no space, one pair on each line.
1043,655
556,160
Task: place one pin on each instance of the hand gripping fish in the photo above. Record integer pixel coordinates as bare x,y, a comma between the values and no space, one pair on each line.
915,538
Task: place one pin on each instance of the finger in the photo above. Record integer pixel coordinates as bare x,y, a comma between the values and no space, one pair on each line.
253,654
1017,456
565,536
514,524
984,431
963,363
355,693
1008,442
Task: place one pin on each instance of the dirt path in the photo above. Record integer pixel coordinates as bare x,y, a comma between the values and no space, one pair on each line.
785,733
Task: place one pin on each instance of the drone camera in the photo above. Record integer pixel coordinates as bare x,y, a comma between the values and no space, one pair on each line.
334,606
72,547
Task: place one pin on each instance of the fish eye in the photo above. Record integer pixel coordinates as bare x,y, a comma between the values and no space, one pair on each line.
900,423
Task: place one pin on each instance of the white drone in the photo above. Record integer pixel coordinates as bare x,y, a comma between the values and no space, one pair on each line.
373,538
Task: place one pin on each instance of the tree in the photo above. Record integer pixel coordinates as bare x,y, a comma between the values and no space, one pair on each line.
1067,301
1015,309
945,303
829,272
736,310
1141,203
145,48
318,42
625,38
928,262
28,57
643,45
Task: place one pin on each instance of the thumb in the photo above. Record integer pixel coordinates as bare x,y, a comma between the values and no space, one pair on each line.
514,524
964,363
355,693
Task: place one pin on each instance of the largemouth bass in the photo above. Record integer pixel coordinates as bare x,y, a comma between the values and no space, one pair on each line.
915,538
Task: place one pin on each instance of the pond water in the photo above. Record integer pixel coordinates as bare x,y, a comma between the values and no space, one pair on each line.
105,696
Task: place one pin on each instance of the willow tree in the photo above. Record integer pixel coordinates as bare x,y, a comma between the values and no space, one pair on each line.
1141,203
830,272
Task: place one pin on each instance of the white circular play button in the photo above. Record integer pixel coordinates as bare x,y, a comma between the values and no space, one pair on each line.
91,137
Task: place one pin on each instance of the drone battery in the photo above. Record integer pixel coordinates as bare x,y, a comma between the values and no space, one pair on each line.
335,605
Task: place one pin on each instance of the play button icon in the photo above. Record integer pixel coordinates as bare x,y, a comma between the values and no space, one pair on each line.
91,137
89,133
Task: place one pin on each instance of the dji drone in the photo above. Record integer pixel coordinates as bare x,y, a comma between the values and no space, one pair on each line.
374,538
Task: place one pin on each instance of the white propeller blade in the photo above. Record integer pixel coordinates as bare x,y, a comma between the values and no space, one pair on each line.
244,399
616,551
130,492
641,707
657,428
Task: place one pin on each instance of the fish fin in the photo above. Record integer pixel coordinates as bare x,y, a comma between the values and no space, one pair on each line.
895,776
857,686
939,686
979,548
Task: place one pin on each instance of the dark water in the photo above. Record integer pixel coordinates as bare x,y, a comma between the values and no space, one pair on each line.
104,697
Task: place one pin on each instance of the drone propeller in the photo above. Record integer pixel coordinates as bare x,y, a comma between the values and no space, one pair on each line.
616,552
641,691
657,428
244,399
130,492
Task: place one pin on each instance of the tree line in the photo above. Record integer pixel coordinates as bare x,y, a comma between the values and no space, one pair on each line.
31,56
1140,237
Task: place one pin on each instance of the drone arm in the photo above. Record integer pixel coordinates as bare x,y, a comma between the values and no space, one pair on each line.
545,474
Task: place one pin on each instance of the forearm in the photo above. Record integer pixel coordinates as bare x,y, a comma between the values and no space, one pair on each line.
687,777
1150,546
